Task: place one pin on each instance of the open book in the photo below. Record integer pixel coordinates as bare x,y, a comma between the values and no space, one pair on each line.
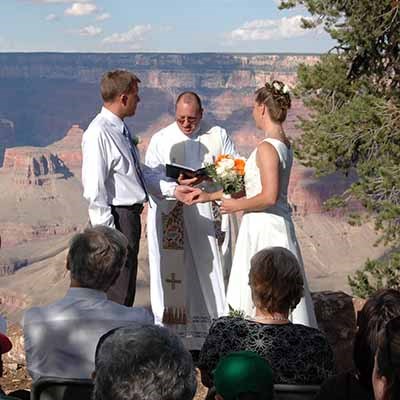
174,170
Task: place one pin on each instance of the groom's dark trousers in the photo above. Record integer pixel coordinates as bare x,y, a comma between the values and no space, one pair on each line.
127,220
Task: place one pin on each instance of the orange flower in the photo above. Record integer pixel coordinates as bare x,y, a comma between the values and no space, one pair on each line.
222,157
239,166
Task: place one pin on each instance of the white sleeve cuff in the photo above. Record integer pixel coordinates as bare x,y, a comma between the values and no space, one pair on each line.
168,189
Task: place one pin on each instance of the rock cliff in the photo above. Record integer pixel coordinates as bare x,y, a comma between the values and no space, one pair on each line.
205,70
60,90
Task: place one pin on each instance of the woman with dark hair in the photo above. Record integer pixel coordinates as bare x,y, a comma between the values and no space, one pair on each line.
386,374
377,311
297,354
267,218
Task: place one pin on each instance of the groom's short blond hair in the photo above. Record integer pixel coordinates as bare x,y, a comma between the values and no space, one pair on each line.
117,82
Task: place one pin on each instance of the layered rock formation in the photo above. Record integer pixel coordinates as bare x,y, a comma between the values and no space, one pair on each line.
32,166
69,150
67,86
157,70
43,199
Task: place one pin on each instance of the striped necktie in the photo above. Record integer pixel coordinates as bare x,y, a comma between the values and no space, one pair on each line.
136,161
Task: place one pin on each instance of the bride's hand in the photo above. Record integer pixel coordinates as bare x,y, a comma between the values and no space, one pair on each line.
229,206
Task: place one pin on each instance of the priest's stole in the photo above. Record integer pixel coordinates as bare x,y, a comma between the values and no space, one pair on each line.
173,267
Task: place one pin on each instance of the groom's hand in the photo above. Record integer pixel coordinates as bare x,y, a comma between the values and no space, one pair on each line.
186,194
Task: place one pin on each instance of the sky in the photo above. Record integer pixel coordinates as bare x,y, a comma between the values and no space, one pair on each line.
181,26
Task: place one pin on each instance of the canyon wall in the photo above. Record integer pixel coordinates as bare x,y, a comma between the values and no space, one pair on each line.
44,94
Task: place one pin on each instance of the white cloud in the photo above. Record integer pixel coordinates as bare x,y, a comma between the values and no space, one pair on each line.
79,9
52,17
132,37
269,29
103,17
90,30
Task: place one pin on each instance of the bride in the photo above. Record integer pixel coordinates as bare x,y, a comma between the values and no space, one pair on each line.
266,218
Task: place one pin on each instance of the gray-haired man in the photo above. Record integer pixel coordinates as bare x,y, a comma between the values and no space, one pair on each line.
146,363
61,338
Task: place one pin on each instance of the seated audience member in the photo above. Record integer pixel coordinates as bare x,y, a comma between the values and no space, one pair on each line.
5,347
377,311
143,364
296,353
386,373
243,375
61,338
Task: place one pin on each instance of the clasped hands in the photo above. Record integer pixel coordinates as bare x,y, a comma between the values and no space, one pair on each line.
190,195
186,193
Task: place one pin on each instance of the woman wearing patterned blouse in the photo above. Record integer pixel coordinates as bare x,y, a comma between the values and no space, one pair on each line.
297,354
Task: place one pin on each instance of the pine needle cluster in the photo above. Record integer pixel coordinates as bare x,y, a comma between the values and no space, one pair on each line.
353,95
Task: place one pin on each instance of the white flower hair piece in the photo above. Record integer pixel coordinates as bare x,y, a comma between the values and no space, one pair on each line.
285,89
277,86
281,89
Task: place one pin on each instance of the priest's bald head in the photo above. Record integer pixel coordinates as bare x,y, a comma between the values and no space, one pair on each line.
188,112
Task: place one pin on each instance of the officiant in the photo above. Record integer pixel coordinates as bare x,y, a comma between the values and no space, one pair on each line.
189,246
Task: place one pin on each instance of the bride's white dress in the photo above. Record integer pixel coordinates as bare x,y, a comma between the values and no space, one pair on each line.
268,228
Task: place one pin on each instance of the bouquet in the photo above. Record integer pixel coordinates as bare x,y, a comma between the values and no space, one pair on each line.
228,172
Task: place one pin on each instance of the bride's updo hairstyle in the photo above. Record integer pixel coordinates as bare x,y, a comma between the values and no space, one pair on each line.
275,280
275,96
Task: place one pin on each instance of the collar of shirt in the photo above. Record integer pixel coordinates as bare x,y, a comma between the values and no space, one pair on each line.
194,135
85,293
114,119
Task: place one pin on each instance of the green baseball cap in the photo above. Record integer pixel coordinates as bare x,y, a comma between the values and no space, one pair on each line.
243,372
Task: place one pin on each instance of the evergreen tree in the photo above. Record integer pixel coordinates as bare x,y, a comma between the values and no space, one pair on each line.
353,94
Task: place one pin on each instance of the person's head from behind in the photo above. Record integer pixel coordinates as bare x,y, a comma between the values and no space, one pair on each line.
271,102
120,92
188,112
143,363
96,256
381,307
386,373
275,280
243,375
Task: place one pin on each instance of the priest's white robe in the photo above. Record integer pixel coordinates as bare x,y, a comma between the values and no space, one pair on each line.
190,254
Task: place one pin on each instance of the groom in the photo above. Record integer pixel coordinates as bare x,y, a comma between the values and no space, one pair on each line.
188,253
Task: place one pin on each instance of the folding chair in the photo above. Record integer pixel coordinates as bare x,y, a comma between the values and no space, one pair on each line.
52,388
295,392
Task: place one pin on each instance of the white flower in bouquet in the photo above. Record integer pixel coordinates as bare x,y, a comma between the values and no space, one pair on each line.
228,172
226,164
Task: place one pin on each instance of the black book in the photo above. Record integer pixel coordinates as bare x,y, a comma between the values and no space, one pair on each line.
174,170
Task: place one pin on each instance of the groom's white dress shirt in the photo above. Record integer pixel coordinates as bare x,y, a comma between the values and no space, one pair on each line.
108,171
61,338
